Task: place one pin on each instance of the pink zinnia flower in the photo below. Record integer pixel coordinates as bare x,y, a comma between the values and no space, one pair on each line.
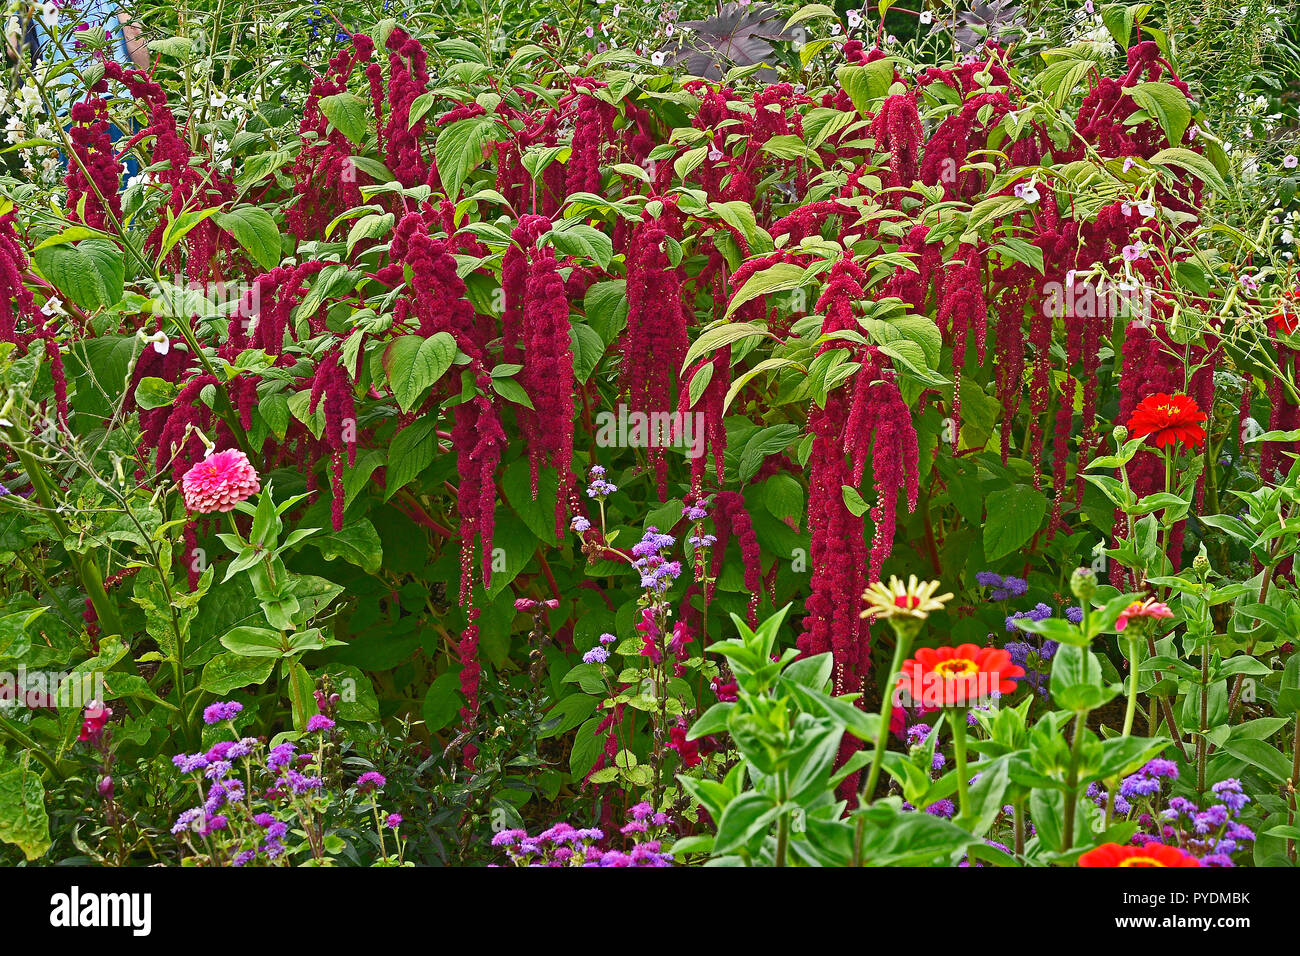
1149,609
219,482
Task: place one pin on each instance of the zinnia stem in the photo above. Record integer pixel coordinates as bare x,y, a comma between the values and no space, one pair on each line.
959,754
1131,709
902,644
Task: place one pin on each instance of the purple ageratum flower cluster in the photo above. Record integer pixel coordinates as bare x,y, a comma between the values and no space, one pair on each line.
597,655
1213,833
370,781
597,487
1039,612
695,512
319,723
657,572
1004,588
1035,659
223,710
565,845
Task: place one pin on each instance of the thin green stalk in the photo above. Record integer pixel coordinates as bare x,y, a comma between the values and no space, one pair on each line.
958,718
902,643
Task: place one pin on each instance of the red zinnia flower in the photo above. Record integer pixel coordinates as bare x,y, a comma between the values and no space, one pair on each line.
1153,854
1170,418
958,676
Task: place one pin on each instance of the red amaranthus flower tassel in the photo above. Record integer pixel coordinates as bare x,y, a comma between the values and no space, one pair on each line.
470,671
95,176
881,422
16,300
655,342
547,375
478,439
325,181
333,385
897,129
731,518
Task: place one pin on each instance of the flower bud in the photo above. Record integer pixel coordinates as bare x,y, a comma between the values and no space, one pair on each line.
1083,582
1120,434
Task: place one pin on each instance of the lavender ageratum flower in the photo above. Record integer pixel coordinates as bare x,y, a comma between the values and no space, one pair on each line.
988,579
188,819
597,655
702,541
1159,767
241,748
280,756
244,858
1139,785
942,808
607,638
695,512
188,763
601,489
301,784
1039,612
370,780
1210,819
641,811
1018,587
581,524
658,575
319,722
1229,791
1074,615
652,542
222,710
508,837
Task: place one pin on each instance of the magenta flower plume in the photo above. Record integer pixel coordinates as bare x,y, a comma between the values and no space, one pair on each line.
219,482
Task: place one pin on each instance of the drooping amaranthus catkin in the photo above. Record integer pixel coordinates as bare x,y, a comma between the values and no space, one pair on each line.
656,341
880,424
478,439
731,519
962,309
547,375
707,430
897,128
94,172
17,304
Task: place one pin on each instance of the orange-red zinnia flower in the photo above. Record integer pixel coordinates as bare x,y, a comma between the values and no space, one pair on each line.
1170,419
1153,854
959,676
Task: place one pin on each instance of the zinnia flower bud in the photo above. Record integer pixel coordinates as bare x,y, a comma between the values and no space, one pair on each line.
1083,582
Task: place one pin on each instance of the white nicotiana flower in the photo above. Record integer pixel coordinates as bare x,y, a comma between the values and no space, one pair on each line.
854,19
1146,210
159,340
657,59
53,306
927,17
49,15
15,130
